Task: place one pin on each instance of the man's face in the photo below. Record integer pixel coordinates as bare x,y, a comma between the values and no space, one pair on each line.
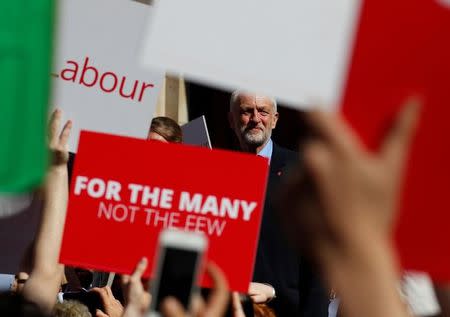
253,118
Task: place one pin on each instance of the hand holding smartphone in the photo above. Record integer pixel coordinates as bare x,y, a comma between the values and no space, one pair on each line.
180,254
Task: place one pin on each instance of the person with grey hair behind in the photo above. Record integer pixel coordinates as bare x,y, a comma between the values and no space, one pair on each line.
71,308
281,278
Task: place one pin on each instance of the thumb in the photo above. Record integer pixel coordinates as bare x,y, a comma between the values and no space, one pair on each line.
396,144
172,308
99,313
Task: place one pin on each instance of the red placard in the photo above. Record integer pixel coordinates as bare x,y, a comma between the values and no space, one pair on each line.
402,48
125,190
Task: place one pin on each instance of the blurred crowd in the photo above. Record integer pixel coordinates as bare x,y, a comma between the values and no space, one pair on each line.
325,244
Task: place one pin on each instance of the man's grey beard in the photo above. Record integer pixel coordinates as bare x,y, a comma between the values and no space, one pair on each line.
254,139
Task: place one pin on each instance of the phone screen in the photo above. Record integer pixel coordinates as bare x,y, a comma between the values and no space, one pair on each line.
177,275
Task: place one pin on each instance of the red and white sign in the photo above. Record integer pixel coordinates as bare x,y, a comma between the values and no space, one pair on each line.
125,190
402,50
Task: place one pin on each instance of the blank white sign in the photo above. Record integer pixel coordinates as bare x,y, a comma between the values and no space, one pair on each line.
294,50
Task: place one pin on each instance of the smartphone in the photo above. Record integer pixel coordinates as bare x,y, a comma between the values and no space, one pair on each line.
91,299
180,254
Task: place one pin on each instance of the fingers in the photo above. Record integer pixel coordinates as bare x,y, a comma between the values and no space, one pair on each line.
138,272
98,290
133,289
170,307
218,299
104,291
146,300
318,160
197,305
258,298
260,293
125,279
251,288
105,295
65,133
396,144
58,142
237,306
55,121
99,313
333,130
108,291
140,269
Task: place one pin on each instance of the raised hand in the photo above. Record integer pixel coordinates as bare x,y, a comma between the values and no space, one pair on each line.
58,141
214,307
137,299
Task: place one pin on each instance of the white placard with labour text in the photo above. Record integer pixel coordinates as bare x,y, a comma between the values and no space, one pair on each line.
96,78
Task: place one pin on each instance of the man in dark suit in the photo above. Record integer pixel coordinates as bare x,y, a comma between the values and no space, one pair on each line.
281,277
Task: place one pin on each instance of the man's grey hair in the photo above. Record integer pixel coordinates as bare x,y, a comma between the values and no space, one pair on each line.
235,96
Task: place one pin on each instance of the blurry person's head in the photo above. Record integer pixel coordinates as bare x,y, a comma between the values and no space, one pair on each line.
15,305
252,118
166,130
19,282
262,310
71,308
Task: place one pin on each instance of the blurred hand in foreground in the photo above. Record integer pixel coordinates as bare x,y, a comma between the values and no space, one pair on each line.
44,282
342,206
112,307
214,307
58,142
136,298
345,192
238,310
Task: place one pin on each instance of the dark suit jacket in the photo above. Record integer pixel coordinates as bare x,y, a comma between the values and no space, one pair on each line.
298,290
